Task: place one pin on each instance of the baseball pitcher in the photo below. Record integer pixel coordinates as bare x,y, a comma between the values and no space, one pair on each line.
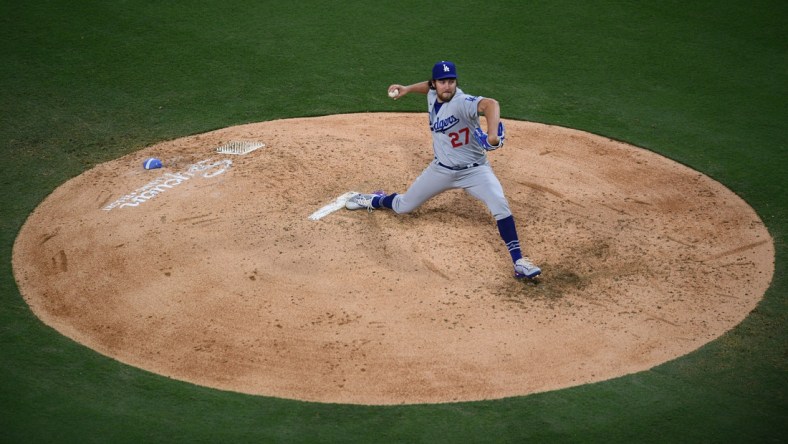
460,147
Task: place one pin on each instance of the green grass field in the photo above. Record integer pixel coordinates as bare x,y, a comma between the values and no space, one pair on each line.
704,83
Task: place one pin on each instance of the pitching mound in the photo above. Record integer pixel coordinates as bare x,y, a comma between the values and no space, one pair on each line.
209,270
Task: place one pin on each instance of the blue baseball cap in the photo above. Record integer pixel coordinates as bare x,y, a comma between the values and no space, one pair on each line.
444,70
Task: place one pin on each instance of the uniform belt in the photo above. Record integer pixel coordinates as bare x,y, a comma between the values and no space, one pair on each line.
461,167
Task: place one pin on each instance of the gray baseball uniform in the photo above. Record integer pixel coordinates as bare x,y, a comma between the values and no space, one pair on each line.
460,162
458,143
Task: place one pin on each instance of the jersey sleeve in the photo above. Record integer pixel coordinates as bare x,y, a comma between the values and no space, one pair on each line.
470,106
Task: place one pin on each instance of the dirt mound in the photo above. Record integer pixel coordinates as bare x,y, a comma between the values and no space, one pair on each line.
210,271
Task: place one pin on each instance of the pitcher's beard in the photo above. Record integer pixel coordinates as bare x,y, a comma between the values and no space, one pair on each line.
446,96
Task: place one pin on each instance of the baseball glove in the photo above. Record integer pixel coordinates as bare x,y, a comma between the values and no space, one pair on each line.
481,137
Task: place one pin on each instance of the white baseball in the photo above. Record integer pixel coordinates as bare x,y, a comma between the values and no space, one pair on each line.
394,93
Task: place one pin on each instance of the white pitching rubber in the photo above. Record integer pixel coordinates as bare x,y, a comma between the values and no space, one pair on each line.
337,204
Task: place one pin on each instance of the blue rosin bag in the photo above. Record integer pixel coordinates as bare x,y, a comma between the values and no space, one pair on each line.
152,163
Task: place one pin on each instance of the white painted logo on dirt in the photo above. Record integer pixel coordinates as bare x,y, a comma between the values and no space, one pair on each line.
169,181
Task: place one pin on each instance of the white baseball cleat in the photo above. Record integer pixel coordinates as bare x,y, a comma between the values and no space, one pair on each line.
359,201
523,268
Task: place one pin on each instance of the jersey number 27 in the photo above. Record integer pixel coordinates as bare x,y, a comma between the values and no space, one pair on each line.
455,137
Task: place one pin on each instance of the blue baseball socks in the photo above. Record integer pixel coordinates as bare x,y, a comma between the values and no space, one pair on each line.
509,235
